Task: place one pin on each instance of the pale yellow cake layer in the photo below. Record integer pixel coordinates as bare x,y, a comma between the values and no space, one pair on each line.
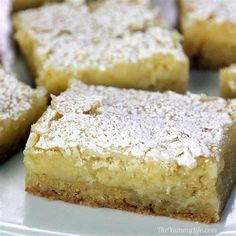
96,184
20,106
99,47
209,30
228,82
156,153
149,187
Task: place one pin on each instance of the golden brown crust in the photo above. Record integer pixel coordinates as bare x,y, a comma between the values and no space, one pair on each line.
121,204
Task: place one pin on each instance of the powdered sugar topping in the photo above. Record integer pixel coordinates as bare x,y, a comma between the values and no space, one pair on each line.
105,121
81,37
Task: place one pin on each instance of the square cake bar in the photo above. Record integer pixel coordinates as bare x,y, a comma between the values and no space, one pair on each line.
209,29
20,106
114,43
228,82
148,152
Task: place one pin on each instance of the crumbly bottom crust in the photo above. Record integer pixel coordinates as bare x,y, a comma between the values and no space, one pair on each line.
83,196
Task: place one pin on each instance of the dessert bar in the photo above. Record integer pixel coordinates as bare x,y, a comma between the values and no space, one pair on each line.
20,106
112,43
148,152
209,30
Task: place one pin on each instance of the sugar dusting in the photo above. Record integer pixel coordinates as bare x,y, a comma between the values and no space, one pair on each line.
76,36
106,121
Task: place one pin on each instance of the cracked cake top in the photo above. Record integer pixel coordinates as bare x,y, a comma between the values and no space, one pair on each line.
105,121
81,36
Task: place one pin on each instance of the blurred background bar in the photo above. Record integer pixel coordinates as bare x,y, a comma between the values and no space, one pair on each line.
169,11
6,52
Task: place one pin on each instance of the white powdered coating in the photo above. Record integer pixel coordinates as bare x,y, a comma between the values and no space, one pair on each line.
106,121
74,36
219,11
15,97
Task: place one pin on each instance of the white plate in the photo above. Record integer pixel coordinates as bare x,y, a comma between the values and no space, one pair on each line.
24,214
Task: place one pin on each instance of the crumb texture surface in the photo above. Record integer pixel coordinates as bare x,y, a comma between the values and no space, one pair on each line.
106,121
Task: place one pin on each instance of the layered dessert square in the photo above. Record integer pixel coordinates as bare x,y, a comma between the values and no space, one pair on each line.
209,29
228,82
20,106
114,43
148,152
